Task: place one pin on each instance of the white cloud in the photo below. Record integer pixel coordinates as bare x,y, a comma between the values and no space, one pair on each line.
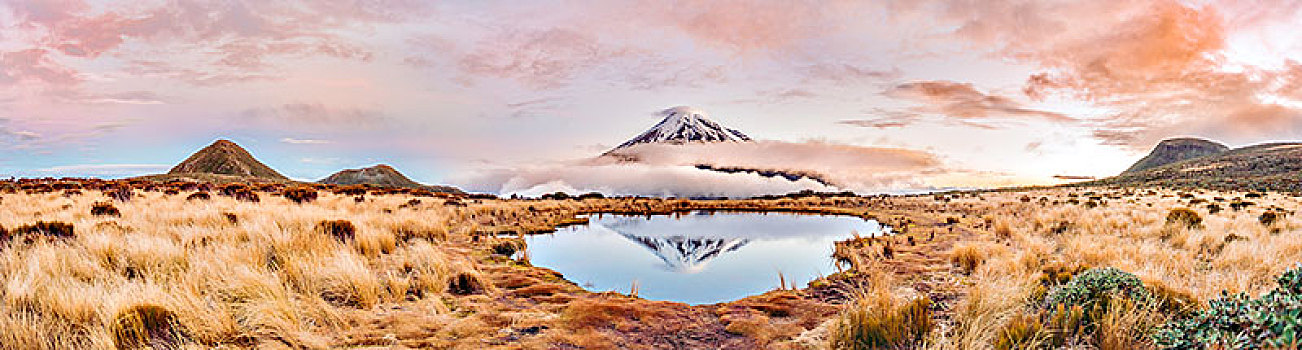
104,169
304,141
670,170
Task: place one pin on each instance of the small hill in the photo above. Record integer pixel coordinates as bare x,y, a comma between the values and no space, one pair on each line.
1266,167
228,159
1174,150
379,175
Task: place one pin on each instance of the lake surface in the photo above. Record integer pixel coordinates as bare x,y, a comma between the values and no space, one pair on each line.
698,257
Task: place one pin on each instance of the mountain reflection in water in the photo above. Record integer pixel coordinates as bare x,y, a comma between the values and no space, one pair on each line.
696,257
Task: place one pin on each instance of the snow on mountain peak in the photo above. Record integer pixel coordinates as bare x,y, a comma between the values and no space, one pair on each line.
685,124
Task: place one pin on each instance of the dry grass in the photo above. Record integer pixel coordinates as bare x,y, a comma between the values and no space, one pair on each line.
231,272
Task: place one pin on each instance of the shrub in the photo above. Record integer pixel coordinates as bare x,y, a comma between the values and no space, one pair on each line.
1094,287
121,194
1184,217
147,326
1236,321
300,195
1269,218
351,190
556,196
247,196
203,196
1213,208
508,247
342,230
878,323
54,229
104,209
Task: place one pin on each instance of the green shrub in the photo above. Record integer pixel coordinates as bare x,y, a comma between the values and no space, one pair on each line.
1237,321
1093,288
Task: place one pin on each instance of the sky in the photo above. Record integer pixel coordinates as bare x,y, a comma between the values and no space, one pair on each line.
511,96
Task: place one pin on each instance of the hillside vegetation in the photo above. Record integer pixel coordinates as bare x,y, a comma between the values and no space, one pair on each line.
1267,167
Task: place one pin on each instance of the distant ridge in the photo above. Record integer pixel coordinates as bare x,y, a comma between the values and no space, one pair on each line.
1174,150
1264,167
224,157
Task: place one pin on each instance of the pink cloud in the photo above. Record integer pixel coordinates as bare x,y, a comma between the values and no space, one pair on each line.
34,65
964,101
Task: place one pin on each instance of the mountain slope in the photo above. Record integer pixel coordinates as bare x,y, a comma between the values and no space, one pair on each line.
685,124
1174,150
379,175
224,157
1266,167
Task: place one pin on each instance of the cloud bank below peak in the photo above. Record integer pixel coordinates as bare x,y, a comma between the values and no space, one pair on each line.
671,170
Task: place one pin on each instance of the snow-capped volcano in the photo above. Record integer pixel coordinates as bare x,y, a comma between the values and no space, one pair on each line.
686,124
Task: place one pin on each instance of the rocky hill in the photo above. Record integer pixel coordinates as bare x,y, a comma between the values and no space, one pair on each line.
1174,150
1266,167
226,159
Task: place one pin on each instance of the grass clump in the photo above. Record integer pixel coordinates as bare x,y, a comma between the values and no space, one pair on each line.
1237,321
146,326
967,257
1022,332
877,322
342,230
1184,217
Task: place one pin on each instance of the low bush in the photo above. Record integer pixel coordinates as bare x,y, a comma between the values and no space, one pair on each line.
203,196
53,229
1184,217
121,194
104,209
1095,287
508,247
1270,217
300,195
1237,321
